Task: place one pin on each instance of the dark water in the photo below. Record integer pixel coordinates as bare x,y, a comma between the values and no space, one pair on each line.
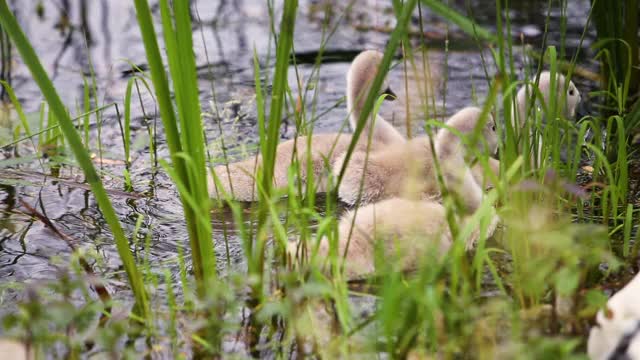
231,31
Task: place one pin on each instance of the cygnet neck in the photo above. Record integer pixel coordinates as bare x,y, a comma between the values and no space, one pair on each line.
360,77
448,144
544,86
356,97
451,153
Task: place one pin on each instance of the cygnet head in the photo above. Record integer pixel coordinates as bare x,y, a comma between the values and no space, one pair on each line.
360,78
466,120
573,97
563,91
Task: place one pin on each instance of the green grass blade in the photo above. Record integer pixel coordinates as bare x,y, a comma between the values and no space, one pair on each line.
285,43
270,136
87,107
17,106
397,35
628,221
183,72
190,139
194,142
127,120
158,76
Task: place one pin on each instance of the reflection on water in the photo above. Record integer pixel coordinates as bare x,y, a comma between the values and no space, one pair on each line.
77,39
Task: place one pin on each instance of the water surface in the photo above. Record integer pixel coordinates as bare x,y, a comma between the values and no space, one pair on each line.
226,34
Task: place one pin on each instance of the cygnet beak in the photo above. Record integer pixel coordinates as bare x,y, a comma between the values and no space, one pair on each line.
390,92
582,110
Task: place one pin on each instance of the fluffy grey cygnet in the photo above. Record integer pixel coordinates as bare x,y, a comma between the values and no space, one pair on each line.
525,100
408,170
239,180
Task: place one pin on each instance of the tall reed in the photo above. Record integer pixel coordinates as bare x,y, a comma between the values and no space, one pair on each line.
617,29
182,129
269,139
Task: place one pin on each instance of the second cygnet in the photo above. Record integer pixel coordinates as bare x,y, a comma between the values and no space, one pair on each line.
567,100
408,170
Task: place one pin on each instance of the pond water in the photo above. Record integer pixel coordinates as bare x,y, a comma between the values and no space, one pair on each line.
226,34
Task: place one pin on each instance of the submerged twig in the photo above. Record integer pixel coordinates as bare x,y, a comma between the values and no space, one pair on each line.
101,290
24,174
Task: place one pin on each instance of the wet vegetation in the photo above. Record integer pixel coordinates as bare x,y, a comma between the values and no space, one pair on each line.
110,243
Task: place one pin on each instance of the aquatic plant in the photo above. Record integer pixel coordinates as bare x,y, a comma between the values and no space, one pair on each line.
617,28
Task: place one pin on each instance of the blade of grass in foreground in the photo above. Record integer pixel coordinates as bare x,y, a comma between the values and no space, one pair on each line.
269,138
17,106
396,37
192,179
30,58
183,72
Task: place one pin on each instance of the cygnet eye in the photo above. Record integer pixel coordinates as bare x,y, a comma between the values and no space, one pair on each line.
493,127
571,92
